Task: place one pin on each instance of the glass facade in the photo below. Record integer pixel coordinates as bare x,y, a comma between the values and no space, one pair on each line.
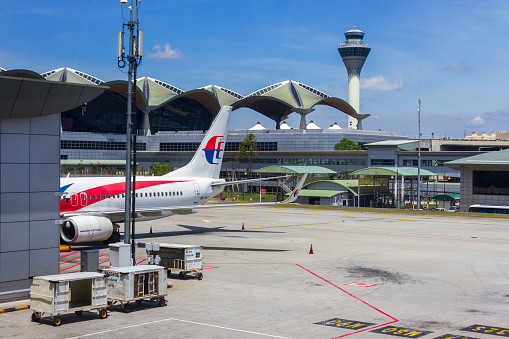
490,182
105,114
382,162
182,114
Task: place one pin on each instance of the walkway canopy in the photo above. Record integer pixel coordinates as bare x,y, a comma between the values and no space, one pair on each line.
390,171
295,170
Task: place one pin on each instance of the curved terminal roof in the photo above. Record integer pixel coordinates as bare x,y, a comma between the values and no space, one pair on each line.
24,95
276,101
157,92
73,76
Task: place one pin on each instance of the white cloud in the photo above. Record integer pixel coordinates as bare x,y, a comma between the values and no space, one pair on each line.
164,54
460,66
477,121
379,83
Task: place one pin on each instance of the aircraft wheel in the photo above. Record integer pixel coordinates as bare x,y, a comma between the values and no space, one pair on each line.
35,317
57,321
161,302
103,314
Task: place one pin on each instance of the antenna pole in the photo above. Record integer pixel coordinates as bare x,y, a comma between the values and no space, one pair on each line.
133,61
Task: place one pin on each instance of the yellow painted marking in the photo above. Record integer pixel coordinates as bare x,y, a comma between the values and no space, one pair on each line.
352,217
410,220
22,307
318,223
351,220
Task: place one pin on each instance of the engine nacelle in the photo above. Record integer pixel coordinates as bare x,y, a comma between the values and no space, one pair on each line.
85,228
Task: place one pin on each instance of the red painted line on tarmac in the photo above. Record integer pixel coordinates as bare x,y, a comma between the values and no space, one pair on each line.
68,261
366,329
139,262
394,320
65,269
350,294
63,256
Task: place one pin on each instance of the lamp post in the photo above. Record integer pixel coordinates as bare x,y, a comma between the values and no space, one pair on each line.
419,155
132,60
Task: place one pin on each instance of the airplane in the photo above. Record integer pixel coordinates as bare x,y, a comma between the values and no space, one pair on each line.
92,207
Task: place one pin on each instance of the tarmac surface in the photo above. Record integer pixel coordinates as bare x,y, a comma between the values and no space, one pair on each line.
371,275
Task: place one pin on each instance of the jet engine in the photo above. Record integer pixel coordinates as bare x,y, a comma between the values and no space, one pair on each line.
85,228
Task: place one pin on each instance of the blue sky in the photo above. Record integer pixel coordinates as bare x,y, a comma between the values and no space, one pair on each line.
455,51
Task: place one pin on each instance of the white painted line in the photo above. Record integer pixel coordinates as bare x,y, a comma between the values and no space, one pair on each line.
181,320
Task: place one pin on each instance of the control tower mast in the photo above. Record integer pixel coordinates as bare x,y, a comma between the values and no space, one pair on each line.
354,53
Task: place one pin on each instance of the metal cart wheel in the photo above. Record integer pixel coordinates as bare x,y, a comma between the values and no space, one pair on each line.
182,275
200,276
103,314
57,321
78,312
161,302
138,301
36,317
127,308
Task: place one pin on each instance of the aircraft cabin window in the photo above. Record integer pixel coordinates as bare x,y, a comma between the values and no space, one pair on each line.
180,192
173,193
150,194
95,196
74,197
109,196
90,197
123,195
146,194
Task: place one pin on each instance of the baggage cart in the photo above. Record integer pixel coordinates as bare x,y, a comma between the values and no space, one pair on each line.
184,259
135,283
66,293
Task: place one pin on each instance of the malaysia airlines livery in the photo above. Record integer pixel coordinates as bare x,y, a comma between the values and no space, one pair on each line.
92,207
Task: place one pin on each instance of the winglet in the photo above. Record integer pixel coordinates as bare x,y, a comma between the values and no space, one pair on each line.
296,190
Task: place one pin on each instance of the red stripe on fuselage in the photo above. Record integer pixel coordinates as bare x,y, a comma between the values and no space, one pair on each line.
100,191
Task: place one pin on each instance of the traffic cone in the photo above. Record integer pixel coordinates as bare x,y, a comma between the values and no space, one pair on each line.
242,226
150,232
311,249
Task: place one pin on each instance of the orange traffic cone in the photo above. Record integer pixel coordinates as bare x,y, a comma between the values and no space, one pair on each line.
242,226
150,232
311,249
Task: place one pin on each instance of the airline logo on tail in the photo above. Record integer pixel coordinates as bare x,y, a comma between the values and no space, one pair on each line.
212,151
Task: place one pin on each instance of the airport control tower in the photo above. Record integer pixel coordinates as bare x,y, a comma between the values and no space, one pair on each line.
354,52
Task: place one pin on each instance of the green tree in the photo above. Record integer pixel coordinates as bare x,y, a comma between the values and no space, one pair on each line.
346,145
247,151
159,169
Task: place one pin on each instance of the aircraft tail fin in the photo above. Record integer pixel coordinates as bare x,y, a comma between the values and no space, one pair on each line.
208,158
295,193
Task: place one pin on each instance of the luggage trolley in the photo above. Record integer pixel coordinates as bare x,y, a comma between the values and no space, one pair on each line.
66,293
136,283
184,259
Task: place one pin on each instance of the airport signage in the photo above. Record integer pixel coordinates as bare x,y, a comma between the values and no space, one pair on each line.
264,191
401,332
498,331
344,323
454,336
